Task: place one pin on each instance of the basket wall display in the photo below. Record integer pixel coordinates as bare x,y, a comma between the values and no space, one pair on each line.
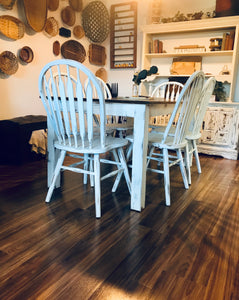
26,54
76,4
8,63
68,16
95,21
36,14
12,27
7,4
52,26
73,50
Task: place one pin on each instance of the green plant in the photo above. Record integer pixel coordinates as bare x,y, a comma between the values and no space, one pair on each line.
219,91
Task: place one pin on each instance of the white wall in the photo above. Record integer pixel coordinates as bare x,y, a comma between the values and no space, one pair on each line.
19,92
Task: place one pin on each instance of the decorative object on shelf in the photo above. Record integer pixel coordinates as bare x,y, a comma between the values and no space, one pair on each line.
102,74
64,32
180,17
219,92
154,12
53,5
8,63
26,54
76,4
139,76
186,65
123,36
11,27
73,50
97,55
7,4
190,49
68,16
78,31
227,8
36,14
215,44
56,47
52,26
225,70
95,21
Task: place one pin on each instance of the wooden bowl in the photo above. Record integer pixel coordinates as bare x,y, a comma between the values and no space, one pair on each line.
26,54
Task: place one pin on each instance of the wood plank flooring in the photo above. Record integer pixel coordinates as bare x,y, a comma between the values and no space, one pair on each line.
60,251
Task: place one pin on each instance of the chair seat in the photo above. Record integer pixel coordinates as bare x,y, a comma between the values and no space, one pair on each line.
110,144
156,139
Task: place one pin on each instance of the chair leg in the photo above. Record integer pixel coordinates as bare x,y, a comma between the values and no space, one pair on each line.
119,175
55,175
187,163
124,165
195,152
166,177
86,165
182,168
97,185
92,177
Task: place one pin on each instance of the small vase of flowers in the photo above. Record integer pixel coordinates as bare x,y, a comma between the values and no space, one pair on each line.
139,76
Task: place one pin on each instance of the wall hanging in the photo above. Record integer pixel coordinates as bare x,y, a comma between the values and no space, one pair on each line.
56,48
8,63
26,54
123,35
53,5
76,4
7,4
12,27
36,14
73,50
78,31
95,21
51,27
68,16
97,55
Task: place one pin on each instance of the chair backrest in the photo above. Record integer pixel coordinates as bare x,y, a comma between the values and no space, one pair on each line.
169,90
68,105
195,126
105,89
184,108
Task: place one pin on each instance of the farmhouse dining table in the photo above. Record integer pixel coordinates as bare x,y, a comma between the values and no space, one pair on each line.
141,109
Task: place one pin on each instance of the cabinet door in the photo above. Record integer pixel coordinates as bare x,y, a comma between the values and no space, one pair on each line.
218,126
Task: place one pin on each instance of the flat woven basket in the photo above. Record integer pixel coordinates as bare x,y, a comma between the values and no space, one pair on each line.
12,27
73,50
95,21
76,4
7,4
78,31
53,5
8,63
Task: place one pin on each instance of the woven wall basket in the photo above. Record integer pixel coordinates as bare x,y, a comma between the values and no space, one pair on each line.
7,4
26,54
8,63
68,16
36,13
73,50
52,26
12,27
76,4
53,4
95,21
78,32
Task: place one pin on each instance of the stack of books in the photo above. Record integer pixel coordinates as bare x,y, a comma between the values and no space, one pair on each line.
228,40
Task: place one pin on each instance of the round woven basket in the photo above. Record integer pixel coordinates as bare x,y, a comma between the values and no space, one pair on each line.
12,27
102,74
53,5
76,4
26,54
73,50
68,16
8,63
52,26
95,21
7,4
36,13
78,31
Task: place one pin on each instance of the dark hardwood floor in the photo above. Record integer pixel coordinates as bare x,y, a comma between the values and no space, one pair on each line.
61,251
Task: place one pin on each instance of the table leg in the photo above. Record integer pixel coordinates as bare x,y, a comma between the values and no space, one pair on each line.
139,158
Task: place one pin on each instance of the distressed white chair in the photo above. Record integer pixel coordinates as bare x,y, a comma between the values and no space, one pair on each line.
184,109
194,132
72,120
169,90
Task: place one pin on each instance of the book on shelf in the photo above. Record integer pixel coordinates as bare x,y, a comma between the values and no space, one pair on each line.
157,46
228,40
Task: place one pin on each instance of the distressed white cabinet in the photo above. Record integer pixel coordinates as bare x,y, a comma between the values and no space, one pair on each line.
220,132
